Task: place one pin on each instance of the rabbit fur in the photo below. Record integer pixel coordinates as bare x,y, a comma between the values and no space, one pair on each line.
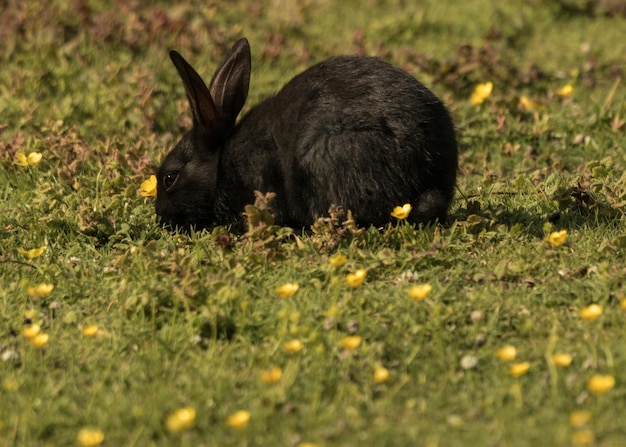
350,131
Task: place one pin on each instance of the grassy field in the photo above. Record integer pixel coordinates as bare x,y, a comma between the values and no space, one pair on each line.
115,325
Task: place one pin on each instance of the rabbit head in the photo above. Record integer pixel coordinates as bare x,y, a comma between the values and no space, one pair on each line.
187,178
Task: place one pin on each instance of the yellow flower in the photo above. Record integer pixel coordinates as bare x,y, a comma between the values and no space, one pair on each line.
599,384
293,346
287,290
149,187
22,159
181,420
561,360
506,353
420,292
40,290
90,330
622,303
480,93
530,105
337,260
90,437
356,279
591,312
272,375
519,369
238,419
579,418
32,253
306,444
40,340
557,238
583,437
565,91
402,212
31,331
33,158
351,342
381,374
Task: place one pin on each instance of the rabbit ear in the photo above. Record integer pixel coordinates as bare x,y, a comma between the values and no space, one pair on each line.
205,114
229,86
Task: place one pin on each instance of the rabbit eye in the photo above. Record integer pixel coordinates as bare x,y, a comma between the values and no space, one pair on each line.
169,180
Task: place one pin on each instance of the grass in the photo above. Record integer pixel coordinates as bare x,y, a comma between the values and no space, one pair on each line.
193,321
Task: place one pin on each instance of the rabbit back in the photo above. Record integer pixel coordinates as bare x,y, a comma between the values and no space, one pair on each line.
350,131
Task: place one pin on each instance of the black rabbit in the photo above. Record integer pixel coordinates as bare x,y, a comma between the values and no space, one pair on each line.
351,131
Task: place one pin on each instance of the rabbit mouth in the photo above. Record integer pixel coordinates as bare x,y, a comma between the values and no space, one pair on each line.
181,227
182,221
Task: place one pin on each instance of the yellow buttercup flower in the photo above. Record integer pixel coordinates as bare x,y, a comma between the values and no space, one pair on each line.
530,105
21,159
590,312
293,346
381,374
561,360
149,187
32,253
238,419
557,238
287,290
40,340
40,291
90,437
402,212
506,353
33,158
356,279
480,93
337,260
519,369
420,292
180,420
31,331
565,91
351,342
600,384
272,375
579,418
90,330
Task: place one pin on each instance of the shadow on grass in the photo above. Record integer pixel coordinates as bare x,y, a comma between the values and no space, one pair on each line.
573,208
